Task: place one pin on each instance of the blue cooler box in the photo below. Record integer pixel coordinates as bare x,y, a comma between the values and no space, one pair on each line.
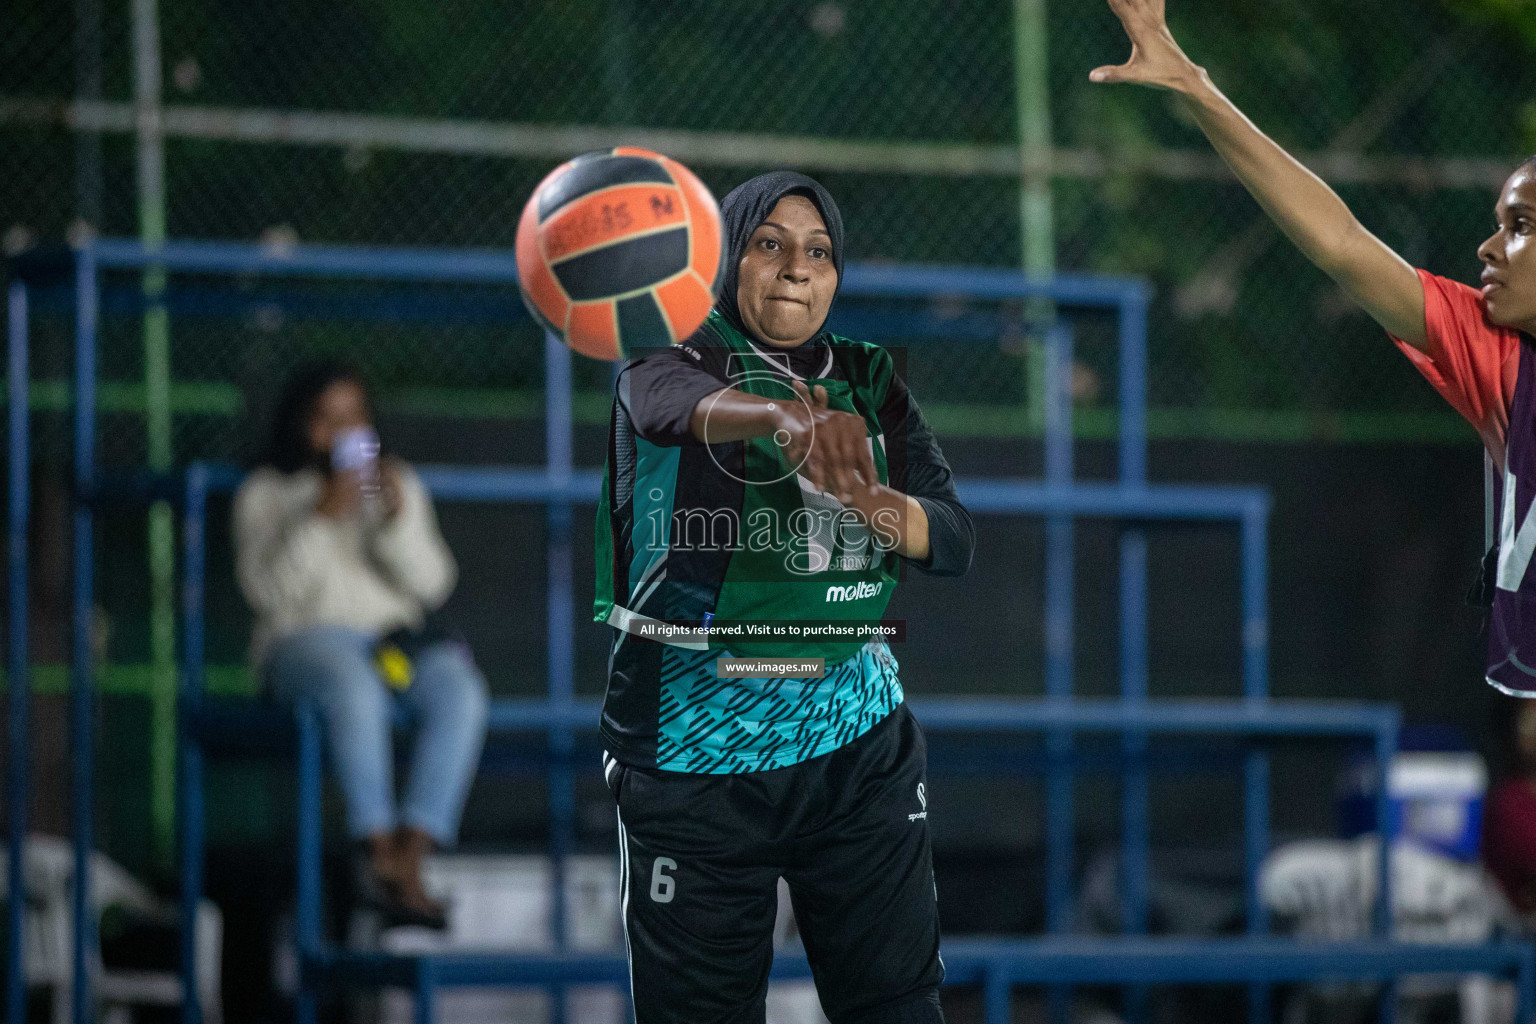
1435,799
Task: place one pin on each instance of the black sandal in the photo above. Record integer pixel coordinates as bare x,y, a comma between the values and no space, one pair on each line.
385,896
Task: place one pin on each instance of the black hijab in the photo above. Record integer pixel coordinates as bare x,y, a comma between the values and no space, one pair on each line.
745,209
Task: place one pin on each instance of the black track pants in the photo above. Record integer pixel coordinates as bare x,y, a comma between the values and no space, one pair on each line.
701,856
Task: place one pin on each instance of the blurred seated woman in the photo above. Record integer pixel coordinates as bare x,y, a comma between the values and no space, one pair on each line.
339,554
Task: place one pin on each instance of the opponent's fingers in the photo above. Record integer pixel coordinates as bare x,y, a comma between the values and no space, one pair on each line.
1158,73
820,396
1123,9
1111,73
1138,13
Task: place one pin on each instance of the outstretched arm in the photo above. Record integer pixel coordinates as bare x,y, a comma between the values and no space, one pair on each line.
1309,212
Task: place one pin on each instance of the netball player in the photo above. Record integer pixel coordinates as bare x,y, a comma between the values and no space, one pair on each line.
762,470
1473,345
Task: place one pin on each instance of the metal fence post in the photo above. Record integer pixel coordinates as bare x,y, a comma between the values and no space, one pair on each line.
1135,814
308,926
82,685
19,674
562,783
189,795
1255,642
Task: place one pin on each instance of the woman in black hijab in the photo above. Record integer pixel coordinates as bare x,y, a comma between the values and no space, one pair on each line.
765,471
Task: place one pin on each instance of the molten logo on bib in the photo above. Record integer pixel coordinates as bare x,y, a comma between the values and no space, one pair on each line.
854,591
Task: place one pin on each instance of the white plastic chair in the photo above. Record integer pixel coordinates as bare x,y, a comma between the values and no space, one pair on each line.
48,940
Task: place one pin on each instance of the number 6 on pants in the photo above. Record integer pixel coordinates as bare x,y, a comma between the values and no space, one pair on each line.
663,885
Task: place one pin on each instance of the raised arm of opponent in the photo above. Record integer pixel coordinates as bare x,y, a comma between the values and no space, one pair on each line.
1309,212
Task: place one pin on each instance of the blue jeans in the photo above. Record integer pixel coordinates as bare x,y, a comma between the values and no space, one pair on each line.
333,665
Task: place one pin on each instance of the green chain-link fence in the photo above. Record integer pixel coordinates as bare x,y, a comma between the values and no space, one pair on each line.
398,123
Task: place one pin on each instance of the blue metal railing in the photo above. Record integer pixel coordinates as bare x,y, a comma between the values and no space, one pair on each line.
1055,715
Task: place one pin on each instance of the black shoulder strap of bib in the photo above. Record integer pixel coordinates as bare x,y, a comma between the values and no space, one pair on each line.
853,373
1481,593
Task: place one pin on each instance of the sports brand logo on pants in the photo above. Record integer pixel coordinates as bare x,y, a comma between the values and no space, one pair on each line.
922,801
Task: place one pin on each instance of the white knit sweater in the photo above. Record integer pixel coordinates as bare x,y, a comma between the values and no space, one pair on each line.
298,568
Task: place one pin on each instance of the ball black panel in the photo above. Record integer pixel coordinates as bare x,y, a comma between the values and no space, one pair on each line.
641,323
594,171
624,266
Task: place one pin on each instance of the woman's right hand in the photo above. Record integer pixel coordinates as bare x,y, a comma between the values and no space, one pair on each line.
340,495
830,447
1156,59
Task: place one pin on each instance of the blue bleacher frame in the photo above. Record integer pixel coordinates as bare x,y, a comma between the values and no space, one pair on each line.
558,485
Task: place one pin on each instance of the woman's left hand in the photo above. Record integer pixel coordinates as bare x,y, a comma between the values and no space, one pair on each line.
881,508
391,490
863,497
897,521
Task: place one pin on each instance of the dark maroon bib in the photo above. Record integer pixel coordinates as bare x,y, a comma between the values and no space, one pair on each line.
1512,622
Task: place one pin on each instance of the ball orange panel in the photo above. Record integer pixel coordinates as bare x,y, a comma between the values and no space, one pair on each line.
539,284
593,330
704,221
686,302
611,215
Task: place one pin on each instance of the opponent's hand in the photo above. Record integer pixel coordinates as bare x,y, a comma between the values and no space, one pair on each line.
1156,59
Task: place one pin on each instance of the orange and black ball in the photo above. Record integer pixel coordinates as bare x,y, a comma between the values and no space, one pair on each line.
618,250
